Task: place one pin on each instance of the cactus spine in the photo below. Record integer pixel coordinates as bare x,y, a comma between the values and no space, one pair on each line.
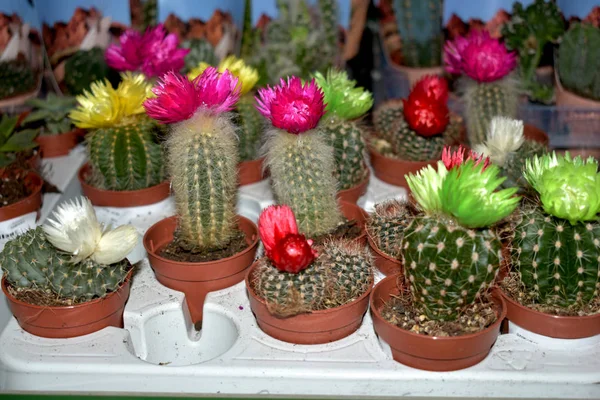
579,62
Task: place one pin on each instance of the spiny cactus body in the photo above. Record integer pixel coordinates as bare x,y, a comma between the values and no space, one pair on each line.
579,62
16,77
85,67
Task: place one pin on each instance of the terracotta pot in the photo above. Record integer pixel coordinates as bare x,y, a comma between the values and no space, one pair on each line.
534,133
392,170
71,321
57,145
354,193
432,353
317,327
565,98
124,198
196,280
551,325
353,212
251,172
387,265
414,74
31,203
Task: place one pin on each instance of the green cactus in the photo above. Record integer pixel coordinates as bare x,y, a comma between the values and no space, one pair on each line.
579,62
16,78
85,67
387,223
200,51
53,112
420,27
13,142
251,125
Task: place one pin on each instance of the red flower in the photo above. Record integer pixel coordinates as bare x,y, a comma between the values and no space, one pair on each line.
433,87
288,250
454,159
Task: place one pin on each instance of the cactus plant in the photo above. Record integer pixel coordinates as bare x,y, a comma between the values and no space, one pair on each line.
13,142
200,51
85,67
345,103
488,89
16,78
122,145
71,256
299,158
53,113
202,155
578,63
420,26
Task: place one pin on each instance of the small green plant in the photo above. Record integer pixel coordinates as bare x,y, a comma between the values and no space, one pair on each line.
52,113
13,142
16,77
578,61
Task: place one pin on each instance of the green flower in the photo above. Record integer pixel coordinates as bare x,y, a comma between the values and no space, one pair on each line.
425,186
569,188
468,195
342,97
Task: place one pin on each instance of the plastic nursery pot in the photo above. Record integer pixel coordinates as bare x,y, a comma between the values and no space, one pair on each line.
531,132
71,321
197,279
251,171
551,325
124,198
414,74
351,212
57,145
354,193
431,353
317,327
387,265
29,204
392,170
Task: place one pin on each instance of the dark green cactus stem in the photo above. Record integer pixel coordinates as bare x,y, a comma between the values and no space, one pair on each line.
251,125
386,226
579,61
30,261
200,51
349,148
420,27
202,157
16,77
448,266
301,170
126,157
558,263
85,67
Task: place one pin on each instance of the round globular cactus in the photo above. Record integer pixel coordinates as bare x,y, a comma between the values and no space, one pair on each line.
202,153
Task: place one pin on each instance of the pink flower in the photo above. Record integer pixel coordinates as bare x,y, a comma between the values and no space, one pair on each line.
154,52
479,56
291,106
288,250
456,158
178,98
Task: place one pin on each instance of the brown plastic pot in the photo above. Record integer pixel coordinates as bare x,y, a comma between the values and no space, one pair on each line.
392,170
251,171
57,145
551,325
534,133
196,280
317,327
124,198
414,74
354,193
431,353
71,321
387,265
31,203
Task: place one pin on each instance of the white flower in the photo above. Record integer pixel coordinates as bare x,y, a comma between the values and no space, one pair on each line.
75,229
504,137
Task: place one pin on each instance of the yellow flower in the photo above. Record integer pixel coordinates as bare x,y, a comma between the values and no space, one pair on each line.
247,75
104,107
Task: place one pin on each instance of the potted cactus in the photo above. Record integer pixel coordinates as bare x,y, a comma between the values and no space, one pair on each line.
206,246
57,135
579,67
488,89
531,32
305,293
440,315
18,82
412,133
69,277
247,119
345,104
125,167
420,27
552,288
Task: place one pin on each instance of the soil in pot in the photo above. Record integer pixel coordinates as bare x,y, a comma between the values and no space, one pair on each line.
177,251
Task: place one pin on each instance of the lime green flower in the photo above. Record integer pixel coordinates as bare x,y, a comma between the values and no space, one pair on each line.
425,186
569,188
341,95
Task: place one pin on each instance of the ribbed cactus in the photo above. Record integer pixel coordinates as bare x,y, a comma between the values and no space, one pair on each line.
387,223
579,62
16,77
201,51
251,125
85,67
420,26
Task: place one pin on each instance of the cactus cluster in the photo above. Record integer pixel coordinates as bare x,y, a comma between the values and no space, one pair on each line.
16,77
578,61
85,67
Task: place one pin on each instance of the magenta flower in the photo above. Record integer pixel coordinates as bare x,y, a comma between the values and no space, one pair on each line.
154,53
178,98
291,106
479,56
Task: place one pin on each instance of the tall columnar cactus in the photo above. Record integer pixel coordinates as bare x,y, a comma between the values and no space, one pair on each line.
85,67
122,145
202,154
556,246
420,26
488,89
452,252
16,77
72,255
578,62
345,103
299,157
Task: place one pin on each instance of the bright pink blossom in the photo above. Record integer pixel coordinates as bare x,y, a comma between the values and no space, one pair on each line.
479,56
454,159
291,106
288,250
178,98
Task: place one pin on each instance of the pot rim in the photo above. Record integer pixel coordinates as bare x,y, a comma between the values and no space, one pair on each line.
85,168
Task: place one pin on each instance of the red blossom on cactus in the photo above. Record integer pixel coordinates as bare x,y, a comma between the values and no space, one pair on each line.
434,87
455,158
292,106
423,113
479,56
288,250
178,98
